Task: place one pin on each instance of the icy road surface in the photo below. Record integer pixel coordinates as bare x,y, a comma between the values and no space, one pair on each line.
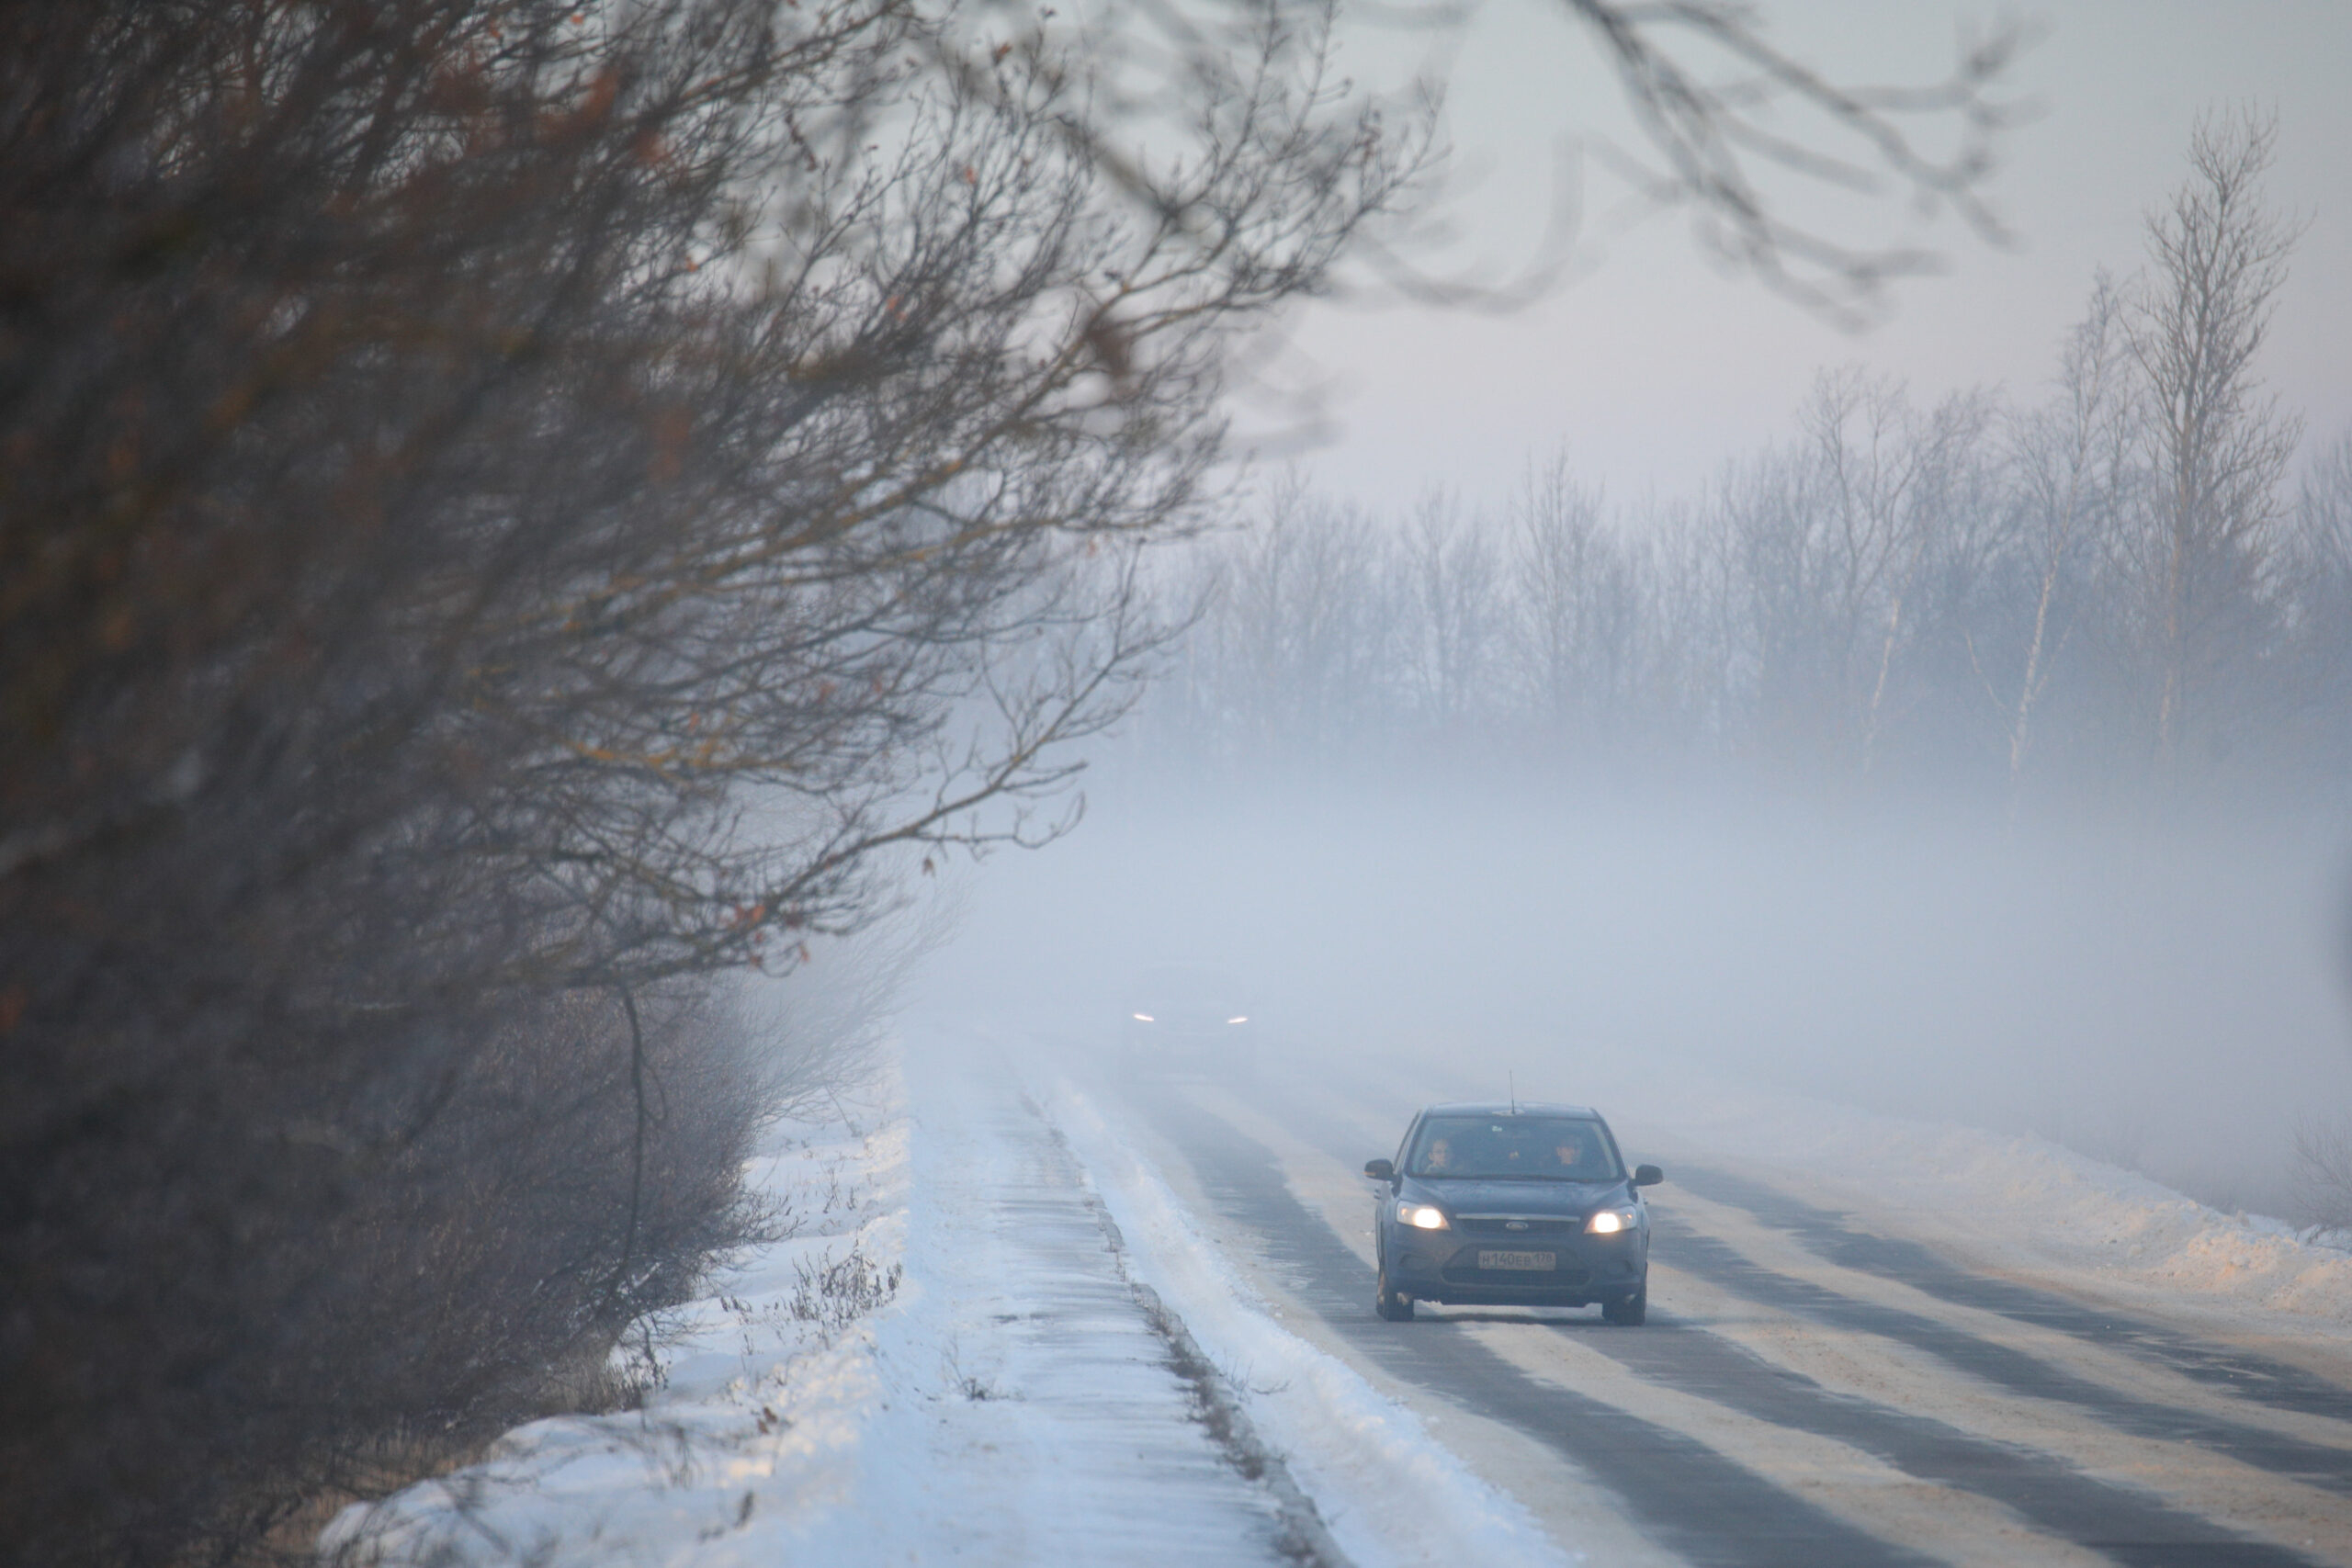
1815,1387
1112,1323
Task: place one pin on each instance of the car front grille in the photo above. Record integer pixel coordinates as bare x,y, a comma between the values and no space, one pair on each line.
1516,1224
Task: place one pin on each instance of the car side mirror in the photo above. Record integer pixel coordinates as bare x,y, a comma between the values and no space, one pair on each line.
1647,1176
1380,1170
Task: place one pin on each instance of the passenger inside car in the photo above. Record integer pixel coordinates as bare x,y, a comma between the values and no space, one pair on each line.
1581,1158
1507,1148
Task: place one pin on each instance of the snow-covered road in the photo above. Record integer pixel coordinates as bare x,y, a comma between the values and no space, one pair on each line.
1812,1390
1134,1327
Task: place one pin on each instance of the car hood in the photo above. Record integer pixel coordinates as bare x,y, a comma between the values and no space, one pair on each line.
1570,1199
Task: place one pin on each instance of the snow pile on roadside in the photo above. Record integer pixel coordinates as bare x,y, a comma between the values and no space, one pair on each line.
923,1372
2007,1191
1389,1493
765,1391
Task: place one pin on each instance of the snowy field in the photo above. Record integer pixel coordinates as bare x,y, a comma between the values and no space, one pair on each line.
1005,1329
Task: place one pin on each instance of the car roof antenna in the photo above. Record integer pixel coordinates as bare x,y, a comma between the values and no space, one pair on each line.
1510,1076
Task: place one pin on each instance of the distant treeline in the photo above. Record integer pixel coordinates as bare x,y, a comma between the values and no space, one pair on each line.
2117,582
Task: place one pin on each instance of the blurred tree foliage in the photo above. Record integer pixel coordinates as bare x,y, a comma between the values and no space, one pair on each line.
509,509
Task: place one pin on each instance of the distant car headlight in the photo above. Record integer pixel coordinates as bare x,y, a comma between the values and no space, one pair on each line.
1611,1222
1422,1216
1144,1018
1243,1019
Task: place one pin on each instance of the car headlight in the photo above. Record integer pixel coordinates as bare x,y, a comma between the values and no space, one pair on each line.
1243,1019
1142,1018
1422,1216
1612,1222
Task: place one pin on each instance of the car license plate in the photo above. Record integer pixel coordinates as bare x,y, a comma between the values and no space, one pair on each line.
1518,1260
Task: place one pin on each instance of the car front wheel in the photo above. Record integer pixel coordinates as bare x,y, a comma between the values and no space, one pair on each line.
1392,1307
1629,1312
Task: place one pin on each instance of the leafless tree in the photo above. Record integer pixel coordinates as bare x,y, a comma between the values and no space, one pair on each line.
1852,598
1723,137
2323,515
2321,1170
1917,502
1704,669
2219,258
513,508
1577,632
1450,579
1830,541
1782,167
2074,460
1290,658
2318,568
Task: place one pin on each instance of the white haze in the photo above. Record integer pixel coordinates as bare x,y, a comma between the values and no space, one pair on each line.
2167,996
2165,989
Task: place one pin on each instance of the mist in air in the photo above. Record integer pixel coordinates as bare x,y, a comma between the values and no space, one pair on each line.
1973,754
1940,758
2173,1010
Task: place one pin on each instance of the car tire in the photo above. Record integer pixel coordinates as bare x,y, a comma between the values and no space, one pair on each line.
1391,1306
1629,1312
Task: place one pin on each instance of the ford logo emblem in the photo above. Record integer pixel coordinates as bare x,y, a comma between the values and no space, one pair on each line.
1514,1224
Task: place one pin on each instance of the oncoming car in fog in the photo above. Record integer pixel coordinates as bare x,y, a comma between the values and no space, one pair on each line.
1512,1205
1188,1019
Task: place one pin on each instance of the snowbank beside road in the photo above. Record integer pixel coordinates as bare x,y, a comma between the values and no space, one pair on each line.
1389,1493
2003,1193
755,1428
948,1359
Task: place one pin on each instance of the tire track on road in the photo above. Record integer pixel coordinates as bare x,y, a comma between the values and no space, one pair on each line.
2316,1464
2123,1523
1689,1498
2246,1375
1827,1235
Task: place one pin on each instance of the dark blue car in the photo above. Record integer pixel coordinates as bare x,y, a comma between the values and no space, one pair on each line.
1512,1205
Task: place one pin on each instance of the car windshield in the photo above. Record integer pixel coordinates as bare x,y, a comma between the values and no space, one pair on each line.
1533,1149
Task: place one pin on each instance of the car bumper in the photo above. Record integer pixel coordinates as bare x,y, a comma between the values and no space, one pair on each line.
1585,1270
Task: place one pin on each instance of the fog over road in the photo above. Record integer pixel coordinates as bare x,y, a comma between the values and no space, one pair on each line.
1815,1387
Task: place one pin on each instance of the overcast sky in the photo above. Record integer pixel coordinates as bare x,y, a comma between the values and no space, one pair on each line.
1655,367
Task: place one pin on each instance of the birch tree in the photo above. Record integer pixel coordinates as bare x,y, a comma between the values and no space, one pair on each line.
2072,458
